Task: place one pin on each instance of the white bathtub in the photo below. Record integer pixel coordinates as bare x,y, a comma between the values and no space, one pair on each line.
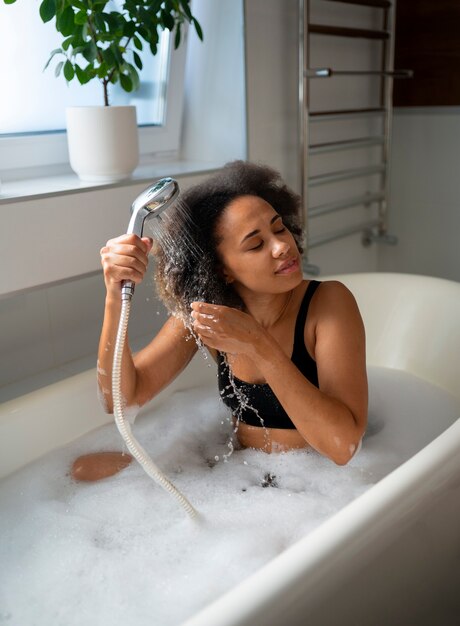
392,556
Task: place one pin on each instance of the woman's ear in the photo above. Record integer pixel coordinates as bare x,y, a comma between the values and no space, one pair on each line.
226,276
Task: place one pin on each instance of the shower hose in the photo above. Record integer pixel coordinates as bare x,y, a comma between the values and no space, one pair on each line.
124,427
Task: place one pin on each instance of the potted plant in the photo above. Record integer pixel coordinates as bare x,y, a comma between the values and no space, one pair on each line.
102,40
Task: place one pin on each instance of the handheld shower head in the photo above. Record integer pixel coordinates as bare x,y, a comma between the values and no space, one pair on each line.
151,202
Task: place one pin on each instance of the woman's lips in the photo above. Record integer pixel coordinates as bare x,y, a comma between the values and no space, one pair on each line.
288,267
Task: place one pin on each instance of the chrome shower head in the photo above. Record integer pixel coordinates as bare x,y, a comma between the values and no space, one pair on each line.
151,202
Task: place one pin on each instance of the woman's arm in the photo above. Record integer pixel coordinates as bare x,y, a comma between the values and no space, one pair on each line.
153,368
332,419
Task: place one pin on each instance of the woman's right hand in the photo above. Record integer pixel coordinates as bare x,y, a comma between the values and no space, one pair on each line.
124,258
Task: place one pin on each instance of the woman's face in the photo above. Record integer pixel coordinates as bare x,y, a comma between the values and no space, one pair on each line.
257,251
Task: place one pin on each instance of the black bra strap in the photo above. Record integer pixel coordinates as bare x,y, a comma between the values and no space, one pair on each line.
302,314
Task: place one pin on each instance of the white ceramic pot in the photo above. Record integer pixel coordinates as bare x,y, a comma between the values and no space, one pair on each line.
103,142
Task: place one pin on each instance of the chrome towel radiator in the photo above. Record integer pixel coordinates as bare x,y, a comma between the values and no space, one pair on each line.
374,229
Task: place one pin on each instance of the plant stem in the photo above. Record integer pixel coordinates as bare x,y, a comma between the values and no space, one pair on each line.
105,85
99,58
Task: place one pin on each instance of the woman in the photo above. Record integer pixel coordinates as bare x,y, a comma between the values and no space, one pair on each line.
290,352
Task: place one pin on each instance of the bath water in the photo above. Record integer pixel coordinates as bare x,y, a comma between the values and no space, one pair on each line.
120,551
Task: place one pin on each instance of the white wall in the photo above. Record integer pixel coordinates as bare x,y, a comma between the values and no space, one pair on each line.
425,193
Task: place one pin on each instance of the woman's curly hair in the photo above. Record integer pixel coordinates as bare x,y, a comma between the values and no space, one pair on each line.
188,267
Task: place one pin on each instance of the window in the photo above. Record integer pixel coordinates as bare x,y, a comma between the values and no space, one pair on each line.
32,111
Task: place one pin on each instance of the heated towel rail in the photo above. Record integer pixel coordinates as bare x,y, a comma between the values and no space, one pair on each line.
376,229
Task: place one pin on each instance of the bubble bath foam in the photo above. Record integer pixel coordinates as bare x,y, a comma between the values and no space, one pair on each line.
279,533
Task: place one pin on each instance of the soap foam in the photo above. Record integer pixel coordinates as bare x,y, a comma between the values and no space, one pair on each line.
121,551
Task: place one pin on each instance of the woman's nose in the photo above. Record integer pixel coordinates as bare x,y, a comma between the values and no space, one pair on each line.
280,248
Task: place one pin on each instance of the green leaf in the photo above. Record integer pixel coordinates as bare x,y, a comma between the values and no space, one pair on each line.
100,22
55,51
9,1
58,68
129,29
144,33
155,6
102,70
79,5
153,42
109,57
134,76
67,42
81,18
118,55
77,34
199,32
65,22
90,70
82,75
177,37
47,10
137,60
69,72
185,6
168,20
99,5
112,21
137,42
125,82
90,52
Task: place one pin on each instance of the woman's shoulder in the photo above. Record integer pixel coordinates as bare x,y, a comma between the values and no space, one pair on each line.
333,298
334,289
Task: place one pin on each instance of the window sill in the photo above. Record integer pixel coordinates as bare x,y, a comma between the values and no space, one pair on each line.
61,180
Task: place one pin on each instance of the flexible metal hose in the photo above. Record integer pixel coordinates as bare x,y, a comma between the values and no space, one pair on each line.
124,427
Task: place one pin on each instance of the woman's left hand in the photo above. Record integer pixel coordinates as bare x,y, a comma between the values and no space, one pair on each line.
226,329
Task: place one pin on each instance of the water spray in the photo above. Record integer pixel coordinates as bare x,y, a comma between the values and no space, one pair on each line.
149,204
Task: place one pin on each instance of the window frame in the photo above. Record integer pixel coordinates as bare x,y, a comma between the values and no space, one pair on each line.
48,151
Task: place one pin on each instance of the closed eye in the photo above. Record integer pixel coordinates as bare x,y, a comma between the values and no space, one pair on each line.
276,232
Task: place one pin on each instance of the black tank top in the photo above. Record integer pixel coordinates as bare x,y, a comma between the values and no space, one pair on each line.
243,395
